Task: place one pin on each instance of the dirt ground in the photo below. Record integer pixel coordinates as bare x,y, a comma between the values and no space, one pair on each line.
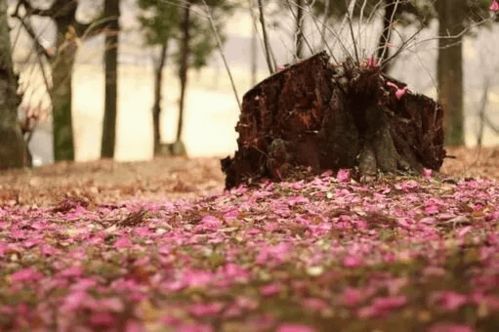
107,181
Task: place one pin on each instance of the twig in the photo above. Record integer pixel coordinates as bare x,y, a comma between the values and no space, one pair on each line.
299,36
324,23
220,48
481,112
31,32
350,27
323,33
361,18
385,47
265,37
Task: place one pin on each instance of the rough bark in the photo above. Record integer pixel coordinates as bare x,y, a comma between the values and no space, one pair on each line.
61,94
12,145
111,12
450,68
68,30
64,15
158,85
319,117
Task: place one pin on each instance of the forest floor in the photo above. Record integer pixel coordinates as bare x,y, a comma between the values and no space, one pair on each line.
159,246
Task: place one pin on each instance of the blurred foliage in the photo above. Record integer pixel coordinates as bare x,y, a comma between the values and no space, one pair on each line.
161,21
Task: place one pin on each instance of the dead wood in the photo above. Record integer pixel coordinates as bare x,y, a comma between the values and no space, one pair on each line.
326,117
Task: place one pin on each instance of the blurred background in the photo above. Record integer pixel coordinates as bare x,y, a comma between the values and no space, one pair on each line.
210,107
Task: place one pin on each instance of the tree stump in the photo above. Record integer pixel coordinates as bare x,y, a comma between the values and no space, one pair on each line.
324,117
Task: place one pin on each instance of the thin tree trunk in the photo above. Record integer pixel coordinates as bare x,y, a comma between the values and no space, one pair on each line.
450,69
324,24
184,64
61,95
481,112
158,85
266,43
112,12
254,55
12,145
385,37
299,29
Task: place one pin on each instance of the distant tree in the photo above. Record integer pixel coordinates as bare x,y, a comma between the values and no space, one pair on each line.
189,28
455,21
61,58
185,52
160,23
112,29
12,146
196,44
450,67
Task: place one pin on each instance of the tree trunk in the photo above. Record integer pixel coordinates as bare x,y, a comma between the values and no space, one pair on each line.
266,42
450,69
111,12
183,68
299,29
61,94
254,54
12,145
313,117
156,109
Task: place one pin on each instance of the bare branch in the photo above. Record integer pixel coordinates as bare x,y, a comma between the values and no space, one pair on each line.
350,27
265,37
220,48
31,32
390,28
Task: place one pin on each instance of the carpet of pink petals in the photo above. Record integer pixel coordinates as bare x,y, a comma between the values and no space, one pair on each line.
327,254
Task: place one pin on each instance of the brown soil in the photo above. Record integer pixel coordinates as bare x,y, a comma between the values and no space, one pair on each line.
107,181
170,178
475,162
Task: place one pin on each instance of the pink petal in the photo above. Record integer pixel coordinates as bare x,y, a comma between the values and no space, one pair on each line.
102,319
450,327
26,275
294,328
123,243
494,6
352,261
372,62
205,309
72,272
75,300
343,175
449,300
208,223
400,93
315,304
270,290
352,296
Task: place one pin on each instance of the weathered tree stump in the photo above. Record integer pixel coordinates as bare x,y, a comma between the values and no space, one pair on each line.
326,117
